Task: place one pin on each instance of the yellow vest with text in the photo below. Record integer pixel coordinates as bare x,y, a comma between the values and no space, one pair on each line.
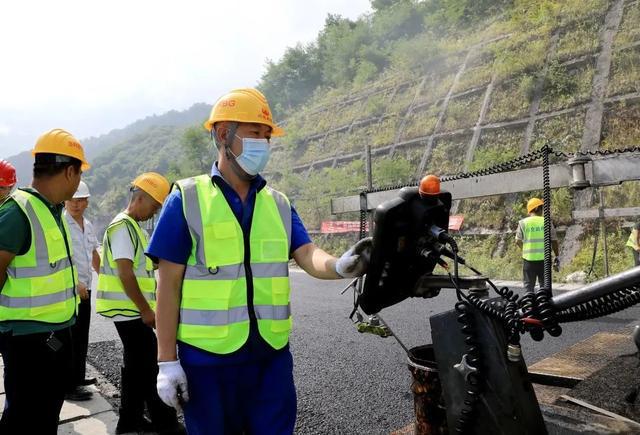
40,284
111,299
533,238
215,305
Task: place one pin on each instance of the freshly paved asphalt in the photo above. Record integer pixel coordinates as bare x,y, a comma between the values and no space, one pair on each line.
352,383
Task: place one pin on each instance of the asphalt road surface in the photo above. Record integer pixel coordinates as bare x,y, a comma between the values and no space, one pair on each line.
352,383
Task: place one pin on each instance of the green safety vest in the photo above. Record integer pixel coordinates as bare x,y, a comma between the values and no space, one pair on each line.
533,238
632,242
40,284
215,305
111,299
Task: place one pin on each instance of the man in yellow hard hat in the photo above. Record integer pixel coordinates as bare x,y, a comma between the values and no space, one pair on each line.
38,302
224,242
530,238
126,293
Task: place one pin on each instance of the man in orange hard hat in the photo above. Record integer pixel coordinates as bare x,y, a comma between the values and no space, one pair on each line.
7,179
126,294
530,238
224,241
38,302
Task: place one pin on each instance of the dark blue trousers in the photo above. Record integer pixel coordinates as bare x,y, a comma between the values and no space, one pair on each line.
256,397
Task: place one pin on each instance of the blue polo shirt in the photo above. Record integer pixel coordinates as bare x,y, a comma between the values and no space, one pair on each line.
171,241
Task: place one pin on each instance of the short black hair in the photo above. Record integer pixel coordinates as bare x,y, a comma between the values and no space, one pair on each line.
49,165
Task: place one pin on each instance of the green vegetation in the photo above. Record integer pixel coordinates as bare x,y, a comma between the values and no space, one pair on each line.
580,39
629,31
562,132
620,127
511,99
625,72
392,170
624,195
486,212
619,257
421,122
463,111
480,252
111,172
384,131
435,88
474,77
497,146
448,155
566,86
519,54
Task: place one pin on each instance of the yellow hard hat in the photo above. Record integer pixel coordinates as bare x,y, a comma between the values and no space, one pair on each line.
534,203
154,184
61,142
243,105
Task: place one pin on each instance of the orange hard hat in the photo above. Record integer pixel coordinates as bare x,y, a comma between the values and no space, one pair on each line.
534,203
429,185
243,105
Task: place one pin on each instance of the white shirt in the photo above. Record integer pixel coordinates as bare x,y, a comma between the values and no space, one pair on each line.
84,243
122,249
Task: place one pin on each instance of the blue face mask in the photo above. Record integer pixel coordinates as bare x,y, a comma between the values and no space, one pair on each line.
254,156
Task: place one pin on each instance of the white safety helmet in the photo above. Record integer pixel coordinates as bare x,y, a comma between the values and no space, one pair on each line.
82,192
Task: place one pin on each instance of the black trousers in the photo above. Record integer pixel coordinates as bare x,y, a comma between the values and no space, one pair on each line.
532,270
139,374
37,368
80,334
636,257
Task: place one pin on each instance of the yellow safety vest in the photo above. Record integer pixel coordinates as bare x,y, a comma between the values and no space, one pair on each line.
40,284
111,299
220,275
632,242
533,238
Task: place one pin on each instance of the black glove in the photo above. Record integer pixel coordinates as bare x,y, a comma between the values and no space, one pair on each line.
355,261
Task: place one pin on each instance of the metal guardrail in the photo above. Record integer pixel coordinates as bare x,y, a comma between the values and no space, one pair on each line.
582,172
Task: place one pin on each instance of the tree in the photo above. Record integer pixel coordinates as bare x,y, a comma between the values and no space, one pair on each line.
291,82
197,151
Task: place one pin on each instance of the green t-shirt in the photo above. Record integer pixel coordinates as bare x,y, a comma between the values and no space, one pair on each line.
15,237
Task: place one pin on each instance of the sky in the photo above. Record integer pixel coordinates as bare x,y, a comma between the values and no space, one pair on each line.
89,66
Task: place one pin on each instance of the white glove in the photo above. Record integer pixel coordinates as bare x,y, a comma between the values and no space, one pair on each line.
355,261
172,384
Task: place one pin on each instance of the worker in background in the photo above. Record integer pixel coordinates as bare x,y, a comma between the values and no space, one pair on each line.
38,288
85,260
8,179
530,238
126,294
224,242
634,243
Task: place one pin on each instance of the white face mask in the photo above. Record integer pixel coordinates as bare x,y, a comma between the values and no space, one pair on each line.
254,156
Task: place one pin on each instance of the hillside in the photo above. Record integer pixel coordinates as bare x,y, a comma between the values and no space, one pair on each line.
440,87
100,145
563,73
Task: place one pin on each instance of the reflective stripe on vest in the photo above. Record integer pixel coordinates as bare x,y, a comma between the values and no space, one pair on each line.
40,284
111,299
214,311
533,238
